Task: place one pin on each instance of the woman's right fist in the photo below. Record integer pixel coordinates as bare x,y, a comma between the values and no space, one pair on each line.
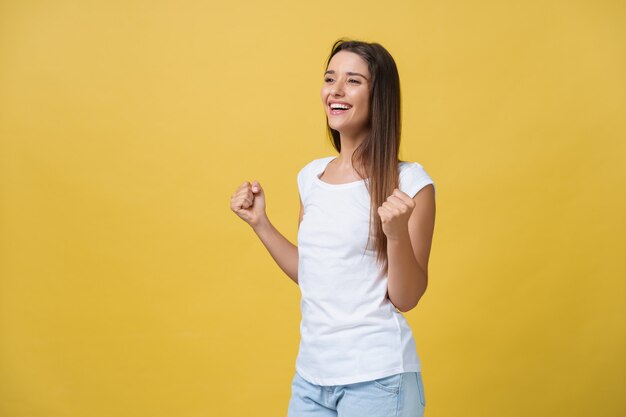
248,202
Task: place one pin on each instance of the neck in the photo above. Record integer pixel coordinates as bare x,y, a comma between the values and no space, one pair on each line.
349,143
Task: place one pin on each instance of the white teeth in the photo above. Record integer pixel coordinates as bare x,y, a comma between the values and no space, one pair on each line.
339,106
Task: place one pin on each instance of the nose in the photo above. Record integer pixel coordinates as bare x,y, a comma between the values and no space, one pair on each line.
336,90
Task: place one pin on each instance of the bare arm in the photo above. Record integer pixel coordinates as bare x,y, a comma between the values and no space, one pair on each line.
408,254
248,202
282,250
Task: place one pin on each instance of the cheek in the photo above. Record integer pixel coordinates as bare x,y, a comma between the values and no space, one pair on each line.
324,93
365,107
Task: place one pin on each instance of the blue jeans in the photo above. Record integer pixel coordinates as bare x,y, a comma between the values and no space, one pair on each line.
399,395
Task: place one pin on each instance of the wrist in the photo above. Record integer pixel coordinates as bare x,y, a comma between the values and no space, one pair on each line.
262,224
399,238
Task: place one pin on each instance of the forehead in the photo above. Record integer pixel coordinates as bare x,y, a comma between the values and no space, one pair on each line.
345,61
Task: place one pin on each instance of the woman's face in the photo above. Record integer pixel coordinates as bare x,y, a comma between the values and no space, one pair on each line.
347,81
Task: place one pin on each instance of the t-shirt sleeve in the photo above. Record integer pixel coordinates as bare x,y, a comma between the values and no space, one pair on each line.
413,178
303,180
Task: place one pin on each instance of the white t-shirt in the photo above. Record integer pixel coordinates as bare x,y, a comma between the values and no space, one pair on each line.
350,331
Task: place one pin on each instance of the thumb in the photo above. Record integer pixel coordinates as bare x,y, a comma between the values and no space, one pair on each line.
256,187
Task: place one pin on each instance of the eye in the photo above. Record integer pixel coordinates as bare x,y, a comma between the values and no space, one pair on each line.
356,81
327,79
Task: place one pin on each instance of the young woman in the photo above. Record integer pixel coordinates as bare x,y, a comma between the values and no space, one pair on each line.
365,230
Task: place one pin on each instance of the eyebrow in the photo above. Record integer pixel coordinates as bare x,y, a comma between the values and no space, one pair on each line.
349,73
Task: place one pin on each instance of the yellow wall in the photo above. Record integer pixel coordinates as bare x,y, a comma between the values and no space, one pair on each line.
129,288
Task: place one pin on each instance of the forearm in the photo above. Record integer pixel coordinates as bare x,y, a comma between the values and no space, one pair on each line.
282,250
406,280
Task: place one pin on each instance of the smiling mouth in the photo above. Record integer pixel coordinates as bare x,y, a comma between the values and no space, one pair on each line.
339,109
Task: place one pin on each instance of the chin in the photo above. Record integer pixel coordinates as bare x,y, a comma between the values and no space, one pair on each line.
339,126
343,129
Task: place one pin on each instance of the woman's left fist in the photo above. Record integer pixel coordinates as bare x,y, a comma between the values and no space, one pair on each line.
395,213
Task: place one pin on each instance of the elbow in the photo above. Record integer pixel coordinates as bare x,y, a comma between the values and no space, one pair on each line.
406,307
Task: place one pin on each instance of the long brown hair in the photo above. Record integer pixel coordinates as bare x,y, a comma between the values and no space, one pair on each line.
378,153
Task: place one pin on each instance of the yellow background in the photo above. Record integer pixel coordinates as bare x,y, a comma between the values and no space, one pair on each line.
129,288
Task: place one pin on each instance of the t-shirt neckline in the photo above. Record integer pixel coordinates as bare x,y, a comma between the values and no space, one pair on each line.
334,186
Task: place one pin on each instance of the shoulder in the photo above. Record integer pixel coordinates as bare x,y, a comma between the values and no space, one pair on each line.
413,177
306,174
409,166
320,161
314,164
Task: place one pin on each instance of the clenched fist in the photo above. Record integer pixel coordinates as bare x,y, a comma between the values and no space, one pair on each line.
248,202
395,213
